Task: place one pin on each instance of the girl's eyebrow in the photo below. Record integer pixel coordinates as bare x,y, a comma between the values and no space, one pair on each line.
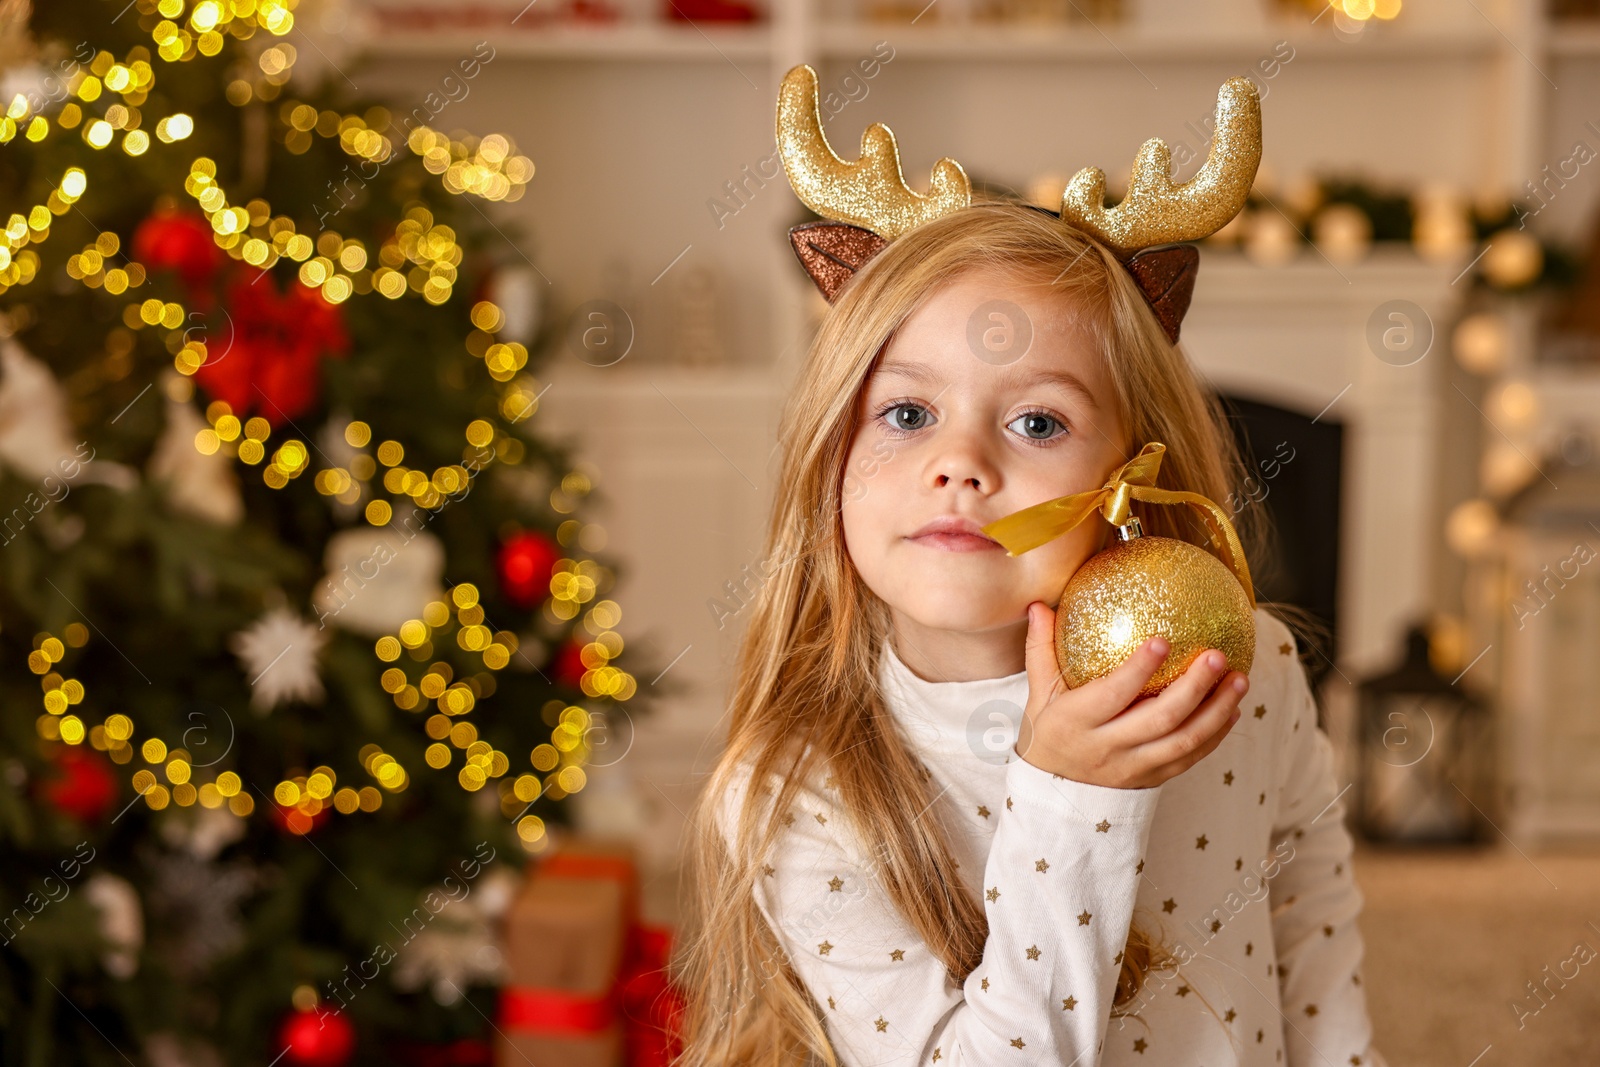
924,375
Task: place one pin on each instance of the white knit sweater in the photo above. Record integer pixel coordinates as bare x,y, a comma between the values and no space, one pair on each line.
1240,865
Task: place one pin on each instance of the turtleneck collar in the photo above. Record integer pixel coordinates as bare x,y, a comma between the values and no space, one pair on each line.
946,715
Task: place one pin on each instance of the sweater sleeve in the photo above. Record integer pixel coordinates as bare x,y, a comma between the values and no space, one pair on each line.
1314,896
1059,887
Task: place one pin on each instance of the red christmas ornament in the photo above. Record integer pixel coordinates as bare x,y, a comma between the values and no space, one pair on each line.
568,665
83,785
524,565
293,820
317,1038
264,354
174,239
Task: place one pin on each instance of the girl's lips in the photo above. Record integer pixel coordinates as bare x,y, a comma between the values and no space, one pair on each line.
956,542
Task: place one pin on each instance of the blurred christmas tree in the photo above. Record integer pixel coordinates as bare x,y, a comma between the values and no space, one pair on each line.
300,643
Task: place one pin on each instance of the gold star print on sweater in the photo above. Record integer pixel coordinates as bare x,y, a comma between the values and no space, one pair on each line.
1246,849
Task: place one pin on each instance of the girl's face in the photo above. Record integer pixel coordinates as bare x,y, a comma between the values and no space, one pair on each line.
989,399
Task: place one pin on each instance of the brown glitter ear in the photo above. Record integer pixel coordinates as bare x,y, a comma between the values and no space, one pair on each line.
1165,274
831,252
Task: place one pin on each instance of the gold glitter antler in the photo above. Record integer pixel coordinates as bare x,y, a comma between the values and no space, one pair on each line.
871,192
1156,211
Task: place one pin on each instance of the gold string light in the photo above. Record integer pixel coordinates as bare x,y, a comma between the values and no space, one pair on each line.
20,265
115,736
561,760
202,33
60,692
131,80
489,167
91,266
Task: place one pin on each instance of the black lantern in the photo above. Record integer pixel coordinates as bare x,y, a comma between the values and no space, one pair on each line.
1422,749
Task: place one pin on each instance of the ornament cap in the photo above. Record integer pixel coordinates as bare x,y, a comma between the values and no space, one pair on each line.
1130,530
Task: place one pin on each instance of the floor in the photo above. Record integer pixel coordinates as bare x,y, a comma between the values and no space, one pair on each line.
1453,939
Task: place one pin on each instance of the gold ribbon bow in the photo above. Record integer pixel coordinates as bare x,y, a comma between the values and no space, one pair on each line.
1031,527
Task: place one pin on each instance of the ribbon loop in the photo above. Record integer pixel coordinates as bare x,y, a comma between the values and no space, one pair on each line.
1025,530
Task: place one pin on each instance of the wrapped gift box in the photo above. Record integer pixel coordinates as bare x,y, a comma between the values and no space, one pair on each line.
586,983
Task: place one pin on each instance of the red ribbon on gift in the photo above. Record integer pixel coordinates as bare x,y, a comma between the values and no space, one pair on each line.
644,996
556,1012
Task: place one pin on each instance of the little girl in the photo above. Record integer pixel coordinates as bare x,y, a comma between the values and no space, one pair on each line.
951,858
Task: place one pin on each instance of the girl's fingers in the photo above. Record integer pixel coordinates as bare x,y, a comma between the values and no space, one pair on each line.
1039,656
1178,766
1158,716
1119,688
1198,734
1208,746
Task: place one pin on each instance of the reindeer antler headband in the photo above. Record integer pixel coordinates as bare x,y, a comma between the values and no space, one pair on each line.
873,205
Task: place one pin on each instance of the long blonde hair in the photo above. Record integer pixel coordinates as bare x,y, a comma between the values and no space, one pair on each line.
804,694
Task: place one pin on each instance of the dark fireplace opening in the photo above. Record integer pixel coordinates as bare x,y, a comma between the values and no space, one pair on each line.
1293,466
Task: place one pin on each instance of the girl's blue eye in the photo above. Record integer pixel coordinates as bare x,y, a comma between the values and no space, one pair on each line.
1041,423
905,424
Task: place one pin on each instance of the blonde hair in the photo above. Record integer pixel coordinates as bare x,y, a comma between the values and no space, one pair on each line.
804,693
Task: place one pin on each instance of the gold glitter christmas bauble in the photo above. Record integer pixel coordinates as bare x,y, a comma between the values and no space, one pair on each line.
1150,586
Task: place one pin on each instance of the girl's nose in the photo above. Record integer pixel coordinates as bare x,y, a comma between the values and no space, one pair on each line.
963,459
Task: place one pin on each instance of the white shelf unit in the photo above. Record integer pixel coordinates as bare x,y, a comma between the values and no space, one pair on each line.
1125,43
630,41
636,129
842,39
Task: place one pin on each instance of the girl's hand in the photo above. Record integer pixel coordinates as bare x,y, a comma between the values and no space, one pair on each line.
1099,734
